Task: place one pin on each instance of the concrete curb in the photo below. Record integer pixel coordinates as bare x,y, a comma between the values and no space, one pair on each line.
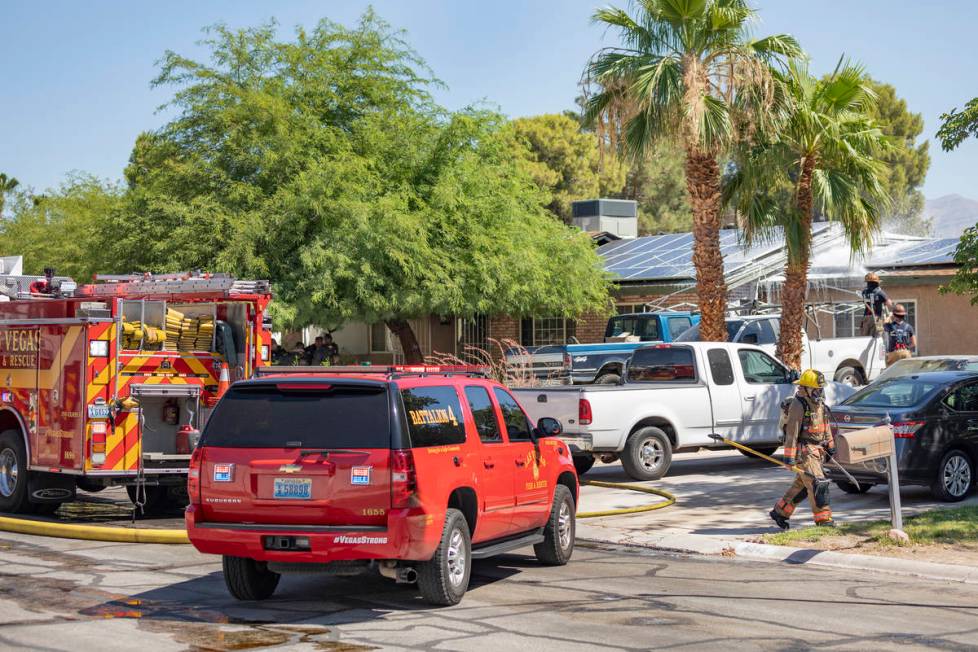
702,545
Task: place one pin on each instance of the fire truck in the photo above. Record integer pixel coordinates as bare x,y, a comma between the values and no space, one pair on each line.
109,383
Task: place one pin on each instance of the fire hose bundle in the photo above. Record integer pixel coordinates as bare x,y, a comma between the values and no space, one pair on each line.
182,333
135,333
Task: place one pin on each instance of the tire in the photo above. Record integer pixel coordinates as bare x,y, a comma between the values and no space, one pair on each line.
444,579
91,486
850,488
764,450
560,532
647,454
248,579
849,376
955,477
583,463
608,379
13,474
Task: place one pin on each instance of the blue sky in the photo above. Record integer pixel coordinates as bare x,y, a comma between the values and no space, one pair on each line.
75,75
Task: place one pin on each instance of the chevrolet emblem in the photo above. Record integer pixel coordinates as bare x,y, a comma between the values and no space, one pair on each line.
290,468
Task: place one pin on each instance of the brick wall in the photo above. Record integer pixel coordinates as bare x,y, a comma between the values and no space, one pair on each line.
504,327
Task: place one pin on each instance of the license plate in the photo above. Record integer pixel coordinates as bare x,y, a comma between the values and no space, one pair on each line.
292,488
98,411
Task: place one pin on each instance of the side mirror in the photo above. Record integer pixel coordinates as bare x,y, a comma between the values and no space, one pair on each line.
793,375
549,427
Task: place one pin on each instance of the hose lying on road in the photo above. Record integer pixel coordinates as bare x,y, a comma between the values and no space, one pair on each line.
92,532
669,499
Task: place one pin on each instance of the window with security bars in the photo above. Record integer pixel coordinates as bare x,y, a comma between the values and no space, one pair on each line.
629,308
471,333
540,331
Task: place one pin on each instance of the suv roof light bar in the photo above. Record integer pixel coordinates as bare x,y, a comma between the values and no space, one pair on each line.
380,370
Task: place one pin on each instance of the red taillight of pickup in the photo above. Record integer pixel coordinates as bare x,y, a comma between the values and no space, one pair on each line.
193,476
404,480
906,429
584,412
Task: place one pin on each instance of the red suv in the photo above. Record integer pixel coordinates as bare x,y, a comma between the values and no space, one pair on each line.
413,472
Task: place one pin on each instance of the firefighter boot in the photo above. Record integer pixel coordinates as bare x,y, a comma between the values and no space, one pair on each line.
781,521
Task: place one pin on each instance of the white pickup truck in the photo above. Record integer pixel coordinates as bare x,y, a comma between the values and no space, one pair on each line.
854,361
673,397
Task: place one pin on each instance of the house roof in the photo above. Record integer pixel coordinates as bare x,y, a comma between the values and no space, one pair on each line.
927,252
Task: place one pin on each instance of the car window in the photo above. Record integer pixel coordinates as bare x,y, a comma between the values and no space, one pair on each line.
759,331
265,416
434,416
720,367
517,424
761,369
678,326
895,392
693,334
484,415
963,399
646,327
662,364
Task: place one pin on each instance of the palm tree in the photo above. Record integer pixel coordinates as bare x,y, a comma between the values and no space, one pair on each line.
824,162
7,184
688,70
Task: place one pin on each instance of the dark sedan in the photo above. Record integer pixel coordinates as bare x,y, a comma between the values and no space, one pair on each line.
935,420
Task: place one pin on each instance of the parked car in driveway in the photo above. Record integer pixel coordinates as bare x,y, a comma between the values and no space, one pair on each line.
674,396
934,416
411,472
910,366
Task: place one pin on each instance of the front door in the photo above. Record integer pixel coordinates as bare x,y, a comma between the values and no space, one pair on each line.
728,418
766,384
496,473
530,485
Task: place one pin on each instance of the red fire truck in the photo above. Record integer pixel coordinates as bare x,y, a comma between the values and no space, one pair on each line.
109,383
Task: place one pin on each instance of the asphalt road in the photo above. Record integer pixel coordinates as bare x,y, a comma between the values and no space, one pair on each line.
76,595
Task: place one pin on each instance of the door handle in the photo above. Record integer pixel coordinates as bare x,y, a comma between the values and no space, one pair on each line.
489,465
520,462
749,398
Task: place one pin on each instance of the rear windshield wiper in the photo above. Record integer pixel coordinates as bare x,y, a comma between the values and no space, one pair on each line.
322,451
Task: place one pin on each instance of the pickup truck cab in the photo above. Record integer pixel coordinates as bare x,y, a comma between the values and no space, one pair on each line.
854,361
602,363
409,471
673,397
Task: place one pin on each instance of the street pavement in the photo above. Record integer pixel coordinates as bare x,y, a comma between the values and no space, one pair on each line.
725,495
59,594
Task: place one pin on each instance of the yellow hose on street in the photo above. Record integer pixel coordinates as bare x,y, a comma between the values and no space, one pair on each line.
92,532
669,499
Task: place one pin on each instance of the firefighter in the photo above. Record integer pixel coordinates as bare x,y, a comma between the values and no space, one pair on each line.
875,299
808,437
901,339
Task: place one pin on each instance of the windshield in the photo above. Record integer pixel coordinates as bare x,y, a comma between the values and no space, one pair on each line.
264,416
897,392
693,334
916,365
646,327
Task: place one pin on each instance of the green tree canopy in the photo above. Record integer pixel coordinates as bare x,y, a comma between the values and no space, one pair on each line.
565,162
323,163
905,162
657,182
958,126
62,228
7,185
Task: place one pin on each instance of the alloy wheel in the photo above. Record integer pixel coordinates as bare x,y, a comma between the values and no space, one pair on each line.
456,558
8,473
564,521
651,454
956,475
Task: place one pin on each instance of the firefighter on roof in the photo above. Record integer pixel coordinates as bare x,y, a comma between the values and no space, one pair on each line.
808,437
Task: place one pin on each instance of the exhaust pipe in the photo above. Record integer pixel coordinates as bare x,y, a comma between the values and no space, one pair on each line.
400,574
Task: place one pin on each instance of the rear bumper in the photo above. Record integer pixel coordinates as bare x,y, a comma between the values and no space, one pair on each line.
578,442
409,535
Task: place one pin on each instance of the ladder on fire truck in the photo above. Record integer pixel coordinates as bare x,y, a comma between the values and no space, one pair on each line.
120,285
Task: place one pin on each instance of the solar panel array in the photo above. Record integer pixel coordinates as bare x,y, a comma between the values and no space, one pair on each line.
930,252
670,257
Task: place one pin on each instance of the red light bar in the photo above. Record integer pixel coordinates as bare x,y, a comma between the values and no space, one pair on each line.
435,369
304,386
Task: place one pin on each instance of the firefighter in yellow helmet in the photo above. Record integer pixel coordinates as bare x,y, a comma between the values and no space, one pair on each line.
808,437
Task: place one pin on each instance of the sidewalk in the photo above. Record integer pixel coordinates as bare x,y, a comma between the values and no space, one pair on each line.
722,503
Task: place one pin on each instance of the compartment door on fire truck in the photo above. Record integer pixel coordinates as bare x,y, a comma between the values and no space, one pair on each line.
60,373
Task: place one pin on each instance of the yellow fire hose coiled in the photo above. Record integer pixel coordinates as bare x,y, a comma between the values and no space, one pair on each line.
669,499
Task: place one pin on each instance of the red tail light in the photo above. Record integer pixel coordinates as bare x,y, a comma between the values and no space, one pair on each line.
193,475
404,481
906,429
584,412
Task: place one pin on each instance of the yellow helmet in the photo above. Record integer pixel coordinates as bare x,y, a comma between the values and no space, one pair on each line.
811,378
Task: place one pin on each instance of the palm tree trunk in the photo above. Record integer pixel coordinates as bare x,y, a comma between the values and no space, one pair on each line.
795,287
409,342
703,185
